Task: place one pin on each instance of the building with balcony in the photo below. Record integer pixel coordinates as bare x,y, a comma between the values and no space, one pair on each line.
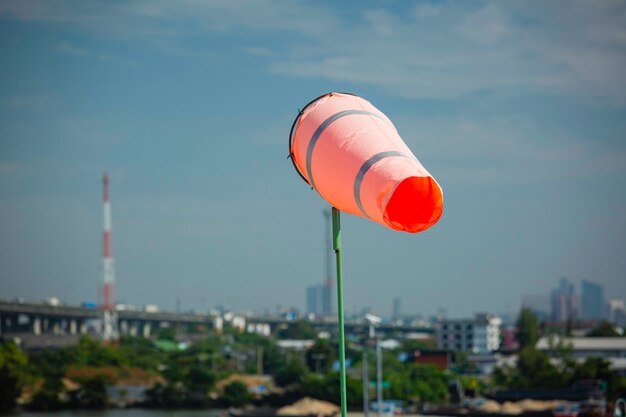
478,335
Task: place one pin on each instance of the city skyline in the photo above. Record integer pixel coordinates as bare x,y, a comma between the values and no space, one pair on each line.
543,305
518,110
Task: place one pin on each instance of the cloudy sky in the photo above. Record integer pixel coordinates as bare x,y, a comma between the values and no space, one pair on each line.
517,108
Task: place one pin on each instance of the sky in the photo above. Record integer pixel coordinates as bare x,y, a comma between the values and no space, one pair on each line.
518,109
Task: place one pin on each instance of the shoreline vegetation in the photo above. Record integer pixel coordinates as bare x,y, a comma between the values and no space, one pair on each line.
247,370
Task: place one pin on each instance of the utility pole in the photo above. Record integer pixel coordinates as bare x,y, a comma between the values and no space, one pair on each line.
372,321
379,376
366,382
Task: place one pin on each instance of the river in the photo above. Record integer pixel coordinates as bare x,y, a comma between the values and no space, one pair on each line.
142,412
128,412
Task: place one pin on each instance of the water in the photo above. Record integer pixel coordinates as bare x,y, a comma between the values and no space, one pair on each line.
129,412
138,412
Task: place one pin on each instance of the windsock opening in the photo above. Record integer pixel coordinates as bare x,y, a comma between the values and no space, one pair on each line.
416,204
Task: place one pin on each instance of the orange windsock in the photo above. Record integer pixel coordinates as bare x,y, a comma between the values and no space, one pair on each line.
351,154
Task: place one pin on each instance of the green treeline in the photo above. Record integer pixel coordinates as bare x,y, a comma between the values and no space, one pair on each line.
534,369
212,371
78,376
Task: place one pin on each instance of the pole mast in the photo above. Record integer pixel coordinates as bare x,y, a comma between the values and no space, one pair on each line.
110,331
327,307
342,342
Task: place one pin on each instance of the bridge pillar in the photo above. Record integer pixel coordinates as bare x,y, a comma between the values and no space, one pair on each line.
134,329
36,326
83,327
73,327
146,329
123,326
56,327
45,325
8,323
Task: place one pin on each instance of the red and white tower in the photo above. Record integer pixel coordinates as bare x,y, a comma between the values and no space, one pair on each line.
110,330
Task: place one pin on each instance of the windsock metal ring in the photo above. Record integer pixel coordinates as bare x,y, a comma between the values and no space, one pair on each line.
351,154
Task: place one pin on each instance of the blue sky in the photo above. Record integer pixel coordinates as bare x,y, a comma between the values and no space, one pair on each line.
517,108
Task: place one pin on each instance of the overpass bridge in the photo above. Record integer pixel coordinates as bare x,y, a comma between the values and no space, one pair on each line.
41,319
352,327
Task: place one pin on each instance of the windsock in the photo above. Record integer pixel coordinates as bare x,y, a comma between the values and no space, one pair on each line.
351,154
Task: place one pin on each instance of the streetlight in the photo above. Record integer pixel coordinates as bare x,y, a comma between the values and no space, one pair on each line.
373,322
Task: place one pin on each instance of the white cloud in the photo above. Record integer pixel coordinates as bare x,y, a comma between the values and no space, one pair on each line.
32,101
258,51
69,49
506,150
487,25
572,48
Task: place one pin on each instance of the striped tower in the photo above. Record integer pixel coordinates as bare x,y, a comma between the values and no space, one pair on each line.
110,330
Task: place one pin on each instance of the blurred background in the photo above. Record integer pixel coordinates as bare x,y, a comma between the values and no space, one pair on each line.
518,109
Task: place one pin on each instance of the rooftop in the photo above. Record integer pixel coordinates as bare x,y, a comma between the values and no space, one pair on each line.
583,343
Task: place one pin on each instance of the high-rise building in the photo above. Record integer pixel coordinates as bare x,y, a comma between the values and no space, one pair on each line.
592,300
314,296
563,302
318,300
396,313
616,311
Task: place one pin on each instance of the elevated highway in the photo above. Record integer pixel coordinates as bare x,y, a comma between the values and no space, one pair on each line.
39,319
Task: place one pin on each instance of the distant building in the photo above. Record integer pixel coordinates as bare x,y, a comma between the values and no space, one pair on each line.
319,300
612,349
509,339
563,302
295,344
396,311
616,311
478,335
439,358
592,301
539,304
314,300
263,329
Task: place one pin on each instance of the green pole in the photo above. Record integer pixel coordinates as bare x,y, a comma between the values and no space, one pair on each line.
342,340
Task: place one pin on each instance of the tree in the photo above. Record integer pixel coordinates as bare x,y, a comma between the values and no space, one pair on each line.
198,381
13,363
527,328
292,372
167,395
319,358
47,397
418,344
141,353
534,370
93,393
299,329
169,333
91,352
236,394
604,329
326,387
431,383
463,364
